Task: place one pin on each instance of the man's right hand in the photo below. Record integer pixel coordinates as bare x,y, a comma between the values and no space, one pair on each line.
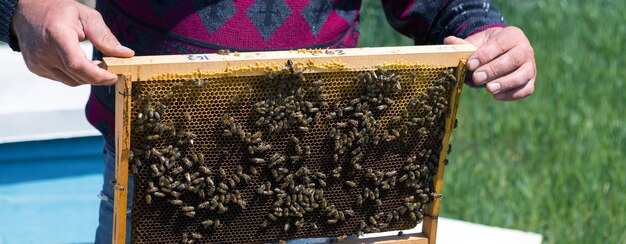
49,32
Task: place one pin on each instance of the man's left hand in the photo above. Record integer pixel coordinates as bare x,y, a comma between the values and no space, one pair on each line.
504,60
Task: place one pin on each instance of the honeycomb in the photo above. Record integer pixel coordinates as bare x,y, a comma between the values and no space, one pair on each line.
288,154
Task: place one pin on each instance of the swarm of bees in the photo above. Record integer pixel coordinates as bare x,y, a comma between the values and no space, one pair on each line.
271,166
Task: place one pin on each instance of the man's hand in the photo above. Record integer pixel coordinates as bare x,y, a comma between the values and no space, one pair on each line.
49,32
504,60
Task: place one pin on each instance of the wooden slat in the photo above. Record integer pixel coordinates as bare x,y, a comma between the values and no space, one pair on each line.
429,228
122,149
147,67
404,239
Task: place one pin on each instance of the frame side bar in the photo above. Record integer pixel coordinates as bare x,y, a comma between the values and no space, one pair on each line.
429,228
122,150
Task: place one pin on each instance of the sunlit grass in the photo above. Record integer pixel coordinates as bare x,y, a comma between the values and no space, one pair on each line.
554,162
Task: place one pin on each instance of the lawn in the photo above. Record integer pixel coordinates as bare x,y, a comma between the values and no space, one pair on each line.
554,162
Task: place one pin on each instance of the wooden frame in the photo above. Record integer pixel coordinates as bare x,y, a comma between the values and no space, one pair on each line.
255,63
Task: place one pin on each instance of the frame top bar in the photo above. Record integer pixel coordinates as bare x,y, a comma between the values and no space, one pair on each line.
147,67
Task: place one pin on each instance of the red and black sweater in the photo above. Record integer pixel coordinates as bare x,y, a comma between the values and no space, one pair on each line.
153,27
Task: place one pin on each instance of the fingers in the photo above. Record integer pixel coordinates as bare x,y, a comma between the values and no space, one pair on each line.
517,93
100,35
513,80
454,40
502,65
58,75
496,45
76,65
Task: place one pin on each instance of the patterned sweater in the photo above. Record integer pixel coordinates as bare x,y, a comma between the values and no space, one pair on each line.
152,27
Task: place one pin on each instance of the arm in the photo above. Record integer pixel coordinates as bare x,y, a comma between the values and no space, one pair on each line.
48,33
504,60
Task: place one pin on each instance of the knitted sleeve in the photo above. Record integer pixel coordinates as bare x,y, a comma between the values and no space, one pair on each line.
429,22
6,13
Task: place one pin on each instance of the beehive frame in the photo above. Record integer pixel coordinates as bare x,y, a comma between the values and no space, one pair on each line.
255,63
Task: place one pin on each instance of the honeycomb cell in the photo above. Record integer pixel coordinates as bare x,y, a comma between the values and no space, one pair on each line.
216,126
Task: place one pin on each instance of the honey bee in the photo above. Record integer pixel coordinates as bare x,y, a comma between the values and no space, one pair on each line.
351,184
222,173
207,223
264,224
196,235
190,214
257,160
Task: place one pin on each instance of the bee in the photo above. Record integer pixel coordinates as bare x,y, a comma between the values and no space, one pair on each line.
155,169
196,235
185,238
223,186
372,220
200,159
299,223
159,194
217,223
286,227
207,223
190,214
264,224
272,217
245,177
222,173
205,170
221,209
332,221
257,160
231,182
359,199
236,179
351,184
148,199
134,169
187,162
198,180
188,177
314,225
175,194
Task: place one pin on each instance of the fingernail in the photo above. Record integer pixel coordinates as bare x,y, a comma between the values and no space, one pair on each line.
493,87
480,77
473,64
124,49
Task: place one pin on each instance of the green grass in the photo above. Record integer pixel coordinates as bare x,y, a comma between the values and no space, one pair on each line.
555,162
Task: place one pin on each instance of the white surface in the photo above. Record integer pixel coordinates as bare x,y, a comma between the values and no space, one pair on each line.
35,108
450,231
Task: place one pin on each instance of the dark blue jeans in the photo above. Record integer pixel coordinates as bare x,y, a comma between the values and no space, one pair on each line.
104,233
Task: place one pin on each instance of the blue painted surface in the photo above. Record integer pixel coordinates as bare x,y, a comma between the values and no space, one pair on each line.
49,190
51,159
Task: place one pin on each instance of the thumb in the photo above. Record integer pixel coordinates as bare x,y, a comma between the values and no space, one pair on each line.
454,40
101,37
